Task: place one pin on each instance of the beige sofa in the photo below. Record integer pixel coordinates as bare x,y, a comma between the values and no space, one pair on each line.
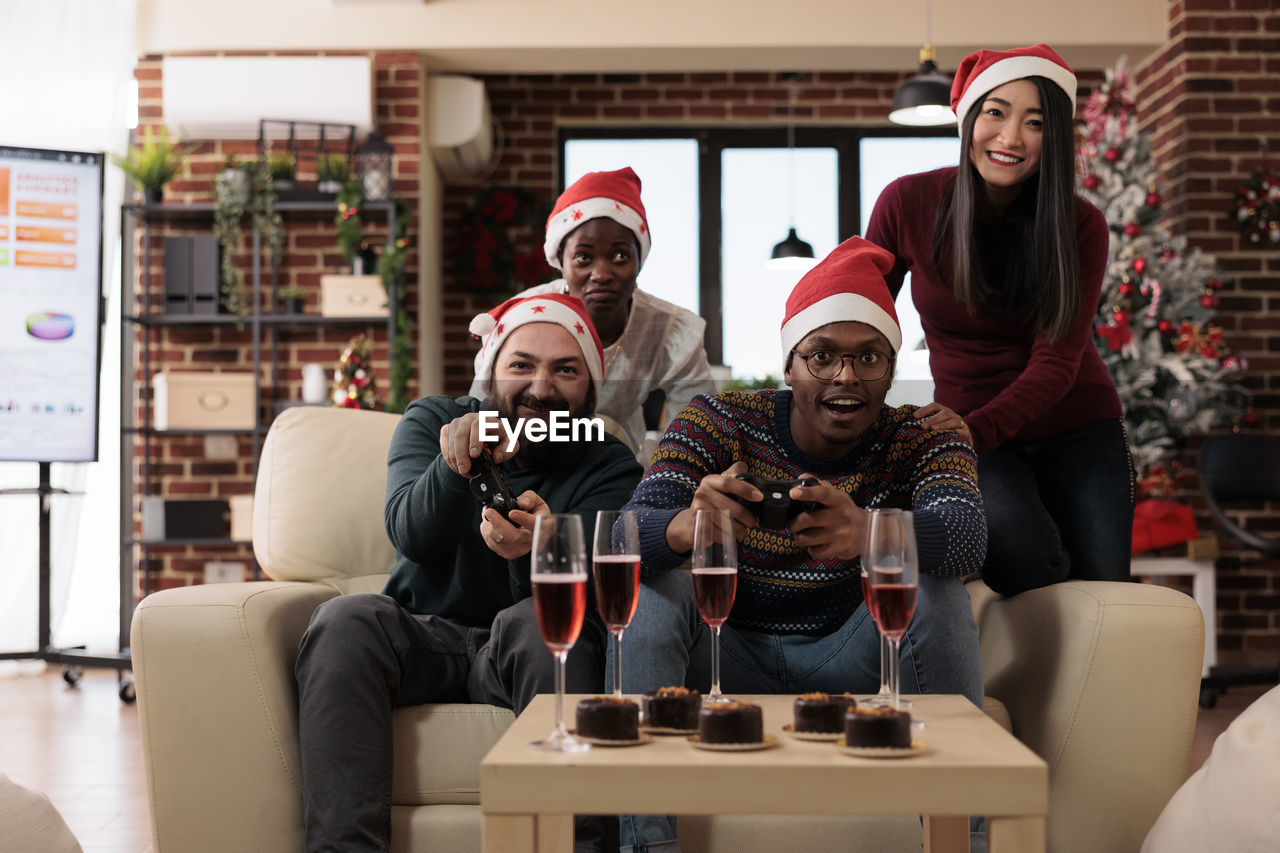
1099,679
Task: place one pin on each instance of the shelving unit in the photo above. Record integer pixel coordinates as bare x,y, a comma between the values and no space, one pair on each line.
140,441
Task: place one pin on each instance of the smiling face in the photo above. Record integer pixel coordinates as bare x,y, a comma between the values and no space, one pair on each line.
600,260
828,416
1007,138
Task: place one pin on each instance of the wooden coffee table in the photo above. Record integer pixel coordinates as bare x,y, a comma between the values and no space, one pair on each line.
973,767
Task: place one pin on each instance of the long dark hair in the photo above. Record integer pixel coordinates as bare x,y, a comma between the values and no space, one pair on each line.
1039,279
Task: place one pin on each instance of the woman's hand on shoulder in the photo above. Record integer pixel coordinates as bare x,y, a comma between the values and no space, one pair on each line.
936,417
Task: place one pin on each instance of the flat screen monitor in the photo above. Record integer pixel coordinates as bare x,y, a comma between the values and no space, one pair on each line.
50,304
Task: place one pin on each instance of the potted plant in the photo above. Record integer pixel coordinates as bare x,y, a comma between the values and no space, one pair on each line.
233,181
284,167
152,164
292,299
332,171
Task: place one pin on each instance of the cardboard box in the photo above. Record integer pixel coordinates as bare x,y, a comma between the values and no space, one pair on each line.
352,296
205,400
241,517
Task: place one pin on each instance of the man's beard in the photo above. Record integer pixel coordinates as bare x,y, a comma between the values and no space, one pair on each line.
533,454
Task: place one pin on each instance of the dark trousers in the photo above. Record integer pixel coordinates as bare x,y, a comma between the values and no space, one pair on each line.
1058,508
363,656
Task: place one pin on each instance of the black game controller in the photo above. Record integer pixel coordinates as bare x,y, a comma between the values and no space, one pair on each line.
489,487
777,509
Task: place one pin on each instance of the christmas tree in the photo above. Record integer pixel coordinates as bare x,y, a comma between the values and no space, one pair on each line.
1155,328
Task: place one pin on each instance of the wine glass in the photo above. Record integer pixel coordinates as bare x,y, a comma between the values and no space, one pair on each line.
558,571
616,567
883,696
715,580
893,579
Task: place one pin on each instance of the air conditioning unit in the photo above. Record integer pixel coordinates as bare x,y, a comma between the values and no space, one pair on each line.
461,127
223,97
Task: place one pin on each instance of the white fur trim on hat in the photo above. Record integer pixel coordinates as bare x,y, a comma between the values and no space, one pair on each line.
568,220
1008,70
840,308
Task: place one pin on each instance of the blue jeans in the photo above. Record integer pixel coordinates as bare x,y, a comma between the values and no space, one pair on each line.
668,644
1058,508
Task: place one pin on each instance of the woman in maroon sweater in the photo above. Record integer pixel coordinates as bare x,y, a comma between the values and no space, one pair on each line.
1006,267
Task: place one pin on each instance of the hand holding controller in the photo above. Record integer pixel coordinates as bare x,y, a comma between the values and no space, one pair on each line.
489,487
777,509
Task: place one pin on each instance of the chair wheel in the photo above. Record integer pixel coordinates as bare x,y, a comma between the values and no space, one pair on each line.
72,673
128,693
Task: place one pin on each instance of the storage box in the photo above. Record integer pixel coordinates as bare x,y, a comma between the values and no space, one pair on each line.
205,400
191,275
241,517
352,296
183,519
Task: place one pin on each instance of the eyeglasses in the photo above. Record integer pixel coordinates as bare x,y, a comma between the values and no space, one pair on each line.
868,365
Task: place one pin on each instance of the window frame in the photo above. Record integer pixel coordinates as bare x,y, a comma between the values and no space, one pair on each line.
712,141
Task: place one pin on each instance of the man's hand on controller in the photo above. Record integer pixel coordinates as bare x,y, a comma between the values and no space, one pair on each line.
837,528
513,539
460,443
716,491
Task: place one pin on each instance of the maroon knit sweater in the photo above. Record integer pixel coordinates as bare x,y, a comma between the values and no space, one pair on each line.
994,370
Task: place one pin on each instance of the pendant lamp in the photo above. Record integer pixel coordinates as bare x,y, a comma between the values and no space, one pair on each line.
792,253
924,100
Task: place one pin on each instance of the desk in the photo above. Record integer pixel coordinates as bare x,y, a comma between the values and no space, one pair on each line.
1203,590
973,767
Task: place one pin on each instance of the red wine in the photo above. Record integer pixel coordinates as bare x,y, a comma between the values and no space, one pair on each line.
895,604
617,579
560,602
866,596
714,589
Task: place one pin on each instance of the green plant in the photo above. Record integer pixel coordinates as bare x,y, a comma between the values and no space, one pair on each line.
333,167
229,209
283,166
768,381
154,163
292,291
348,219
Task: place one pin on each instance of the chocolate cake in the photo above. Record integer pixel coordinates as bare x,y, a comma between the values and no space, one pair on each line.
607,718
821,712
672,708
877,727
731,722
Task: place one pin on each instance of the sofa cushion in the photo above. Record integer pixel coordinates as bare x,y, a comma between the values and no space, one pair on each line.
438,750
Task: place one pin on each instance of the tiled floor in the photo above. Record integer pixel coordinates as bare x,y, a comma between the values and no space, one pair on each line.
81,746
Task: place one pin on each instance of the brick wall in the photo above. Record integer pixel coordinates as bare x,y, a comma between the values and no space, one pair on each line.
1210,99
178,466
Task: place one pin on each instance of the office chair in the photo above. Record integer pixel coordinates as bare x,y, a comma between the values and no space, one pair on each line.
1240,467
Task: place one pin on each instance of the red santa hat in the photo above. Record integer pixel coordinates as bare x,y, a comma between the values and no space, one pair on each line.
985,70
559,308
847,286
596,195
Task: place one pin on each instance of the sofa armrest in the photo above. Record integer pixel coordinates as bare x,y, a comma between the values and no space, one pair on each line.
217,702
1102,681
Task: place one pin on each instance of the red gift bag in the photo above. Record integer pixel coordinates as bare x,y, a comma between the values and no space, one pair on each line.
1158,523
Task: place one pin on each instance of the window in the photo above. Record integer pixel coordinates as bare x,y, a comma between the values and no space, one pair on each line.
718,199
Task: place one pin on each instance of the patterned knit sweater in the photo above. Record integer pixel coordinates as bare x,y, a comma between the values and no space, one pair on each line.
781,588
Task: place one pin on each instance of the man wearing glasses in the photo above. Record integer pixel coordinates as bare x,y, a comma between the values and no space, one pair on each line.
799,622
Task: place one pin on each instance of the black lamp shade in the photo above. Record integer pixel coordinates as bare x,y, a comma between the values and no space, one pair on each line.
924,99
373,167
791,253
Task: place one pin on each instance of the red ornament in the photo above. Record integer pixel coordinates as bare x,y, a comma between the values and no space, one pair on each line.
1209,301
1112,154
1167,255
1133,229
1139,264
1232,363
1091,182
1154,199
1213,284
1127,288
1252,418
1165,327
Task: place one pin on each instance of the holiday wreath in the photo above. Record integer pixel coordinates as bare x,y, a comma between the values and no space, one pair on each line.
499,246
1257,208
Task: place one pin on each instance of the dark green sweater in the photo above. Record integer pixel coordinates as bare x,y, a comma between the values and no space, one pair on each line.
444,566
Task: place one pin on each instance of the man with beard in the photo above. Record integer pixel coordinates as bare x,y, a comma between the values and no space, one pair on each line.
455,622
